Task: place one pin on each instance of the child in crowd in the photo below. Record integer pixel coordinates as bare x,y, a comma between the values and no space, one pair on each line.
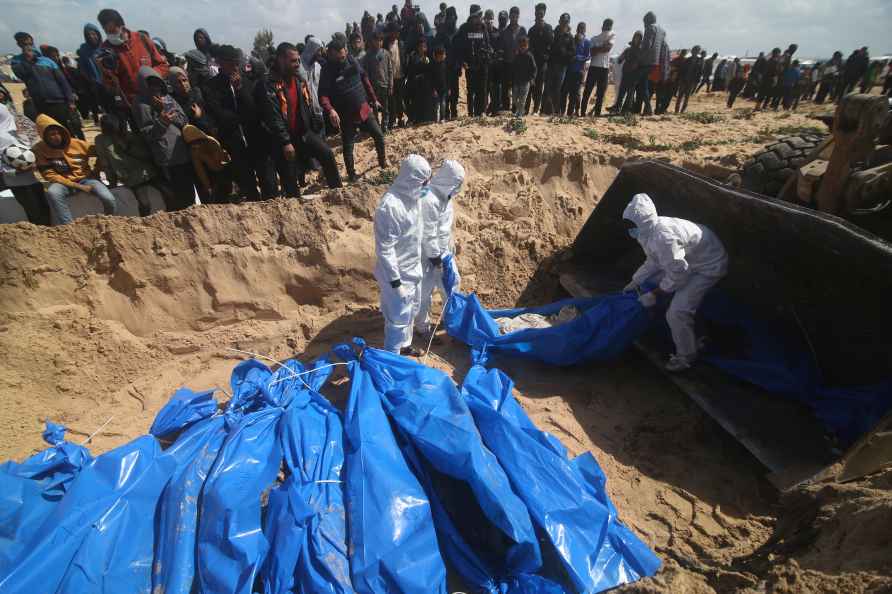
438,78
65,163
523,73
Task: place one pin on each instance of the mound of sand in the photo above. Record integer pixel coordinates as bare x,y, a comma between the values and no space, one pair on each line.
108,316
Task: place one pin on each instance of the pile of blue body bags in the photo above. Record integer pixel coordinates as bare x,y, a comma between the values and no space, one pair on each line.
418,482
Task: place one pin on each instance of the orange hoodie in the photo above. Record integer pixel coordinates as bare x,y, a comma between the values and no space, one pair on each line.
67,165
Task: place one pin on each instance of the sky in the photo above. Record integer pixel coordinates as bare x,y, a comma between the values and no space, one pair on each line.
742,28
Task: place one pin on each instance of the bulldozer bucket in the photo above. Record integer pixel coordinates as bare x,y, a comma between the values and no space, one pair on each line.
829,277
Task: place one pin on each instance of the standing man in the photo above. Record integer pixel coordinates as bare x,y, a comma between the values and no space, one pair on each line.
686,259
398,248
509,40
494,78
563,49
48,89
131,52
771,80
437,217
378,64
599,69
737,79
655,53
345,92
856,69
393,45
829,76
475,52
231,101
86,64
708,68
688,77
541,37
286,110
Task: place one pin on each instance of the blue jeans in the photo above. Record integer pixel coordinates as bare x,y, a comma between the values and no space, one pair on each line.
57,195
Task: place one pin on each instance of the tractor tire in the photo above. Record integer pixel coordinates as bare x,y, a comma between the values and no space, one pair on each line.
768,170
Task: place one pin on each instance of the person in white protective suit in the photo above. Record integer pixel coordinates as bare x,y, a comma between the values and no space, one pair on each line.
686,259
398,247
437,217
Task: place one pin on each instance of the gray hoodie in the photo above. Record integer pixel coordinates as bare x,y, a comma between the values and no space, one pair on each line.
312,70
165,140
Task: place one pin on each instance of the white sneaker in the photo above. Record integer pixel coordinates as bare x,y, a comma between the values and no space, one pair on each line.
677,364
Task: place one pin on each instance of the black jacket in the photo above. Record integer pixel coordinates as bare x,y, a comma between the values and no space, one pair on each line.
205,123
474,48
563,50
523,69
541,38
272,106
438,75
234,112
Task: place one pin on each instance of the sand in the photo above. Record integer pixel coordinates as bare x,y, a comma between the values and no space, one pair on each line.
106,317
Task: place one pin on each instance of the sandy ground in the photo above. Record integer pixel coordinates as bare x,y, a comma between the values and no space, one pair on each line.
105,318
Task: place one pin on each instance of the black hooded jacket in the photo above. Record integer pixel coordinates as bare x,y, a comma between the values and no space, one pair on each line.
235,111
563,50
541,37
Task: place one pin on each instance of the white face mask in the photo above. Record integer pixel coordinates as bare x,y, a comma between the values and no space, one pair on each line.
115,38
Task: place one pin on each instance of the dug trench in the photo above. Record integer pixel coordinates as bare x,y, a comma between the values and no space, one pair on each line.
104,318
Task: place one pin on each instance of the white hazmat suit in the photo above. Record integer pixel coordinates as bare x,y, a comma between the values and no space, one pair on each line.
687,259
398,248
437,217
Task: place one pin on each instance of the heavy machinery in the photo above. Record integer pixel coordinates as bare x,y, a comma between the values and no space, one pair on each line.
828,279
848,173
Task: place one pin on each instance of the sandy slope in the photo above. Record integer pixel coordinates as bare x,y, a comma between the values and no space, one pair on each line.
107,316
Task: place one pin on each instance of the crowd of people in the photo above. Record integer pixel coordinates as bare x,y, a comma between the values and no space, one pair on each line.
226,125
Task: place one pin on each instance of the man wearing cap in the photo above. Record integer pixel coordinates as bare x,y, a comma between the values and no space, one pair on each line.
508,41
563,50
541,36
474,53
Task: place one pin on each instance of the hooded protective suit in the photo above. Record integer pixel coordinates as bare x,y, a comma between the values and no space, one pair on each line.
398,247
689,260
437,217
